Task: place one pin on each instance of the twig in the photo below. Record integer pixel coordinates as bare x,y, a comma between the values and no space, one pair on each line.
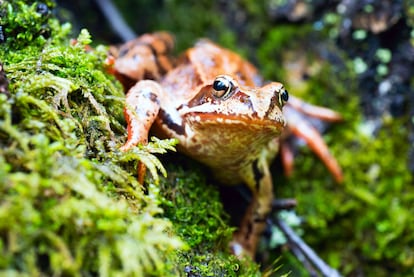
298,243
305,262
115,19
284,204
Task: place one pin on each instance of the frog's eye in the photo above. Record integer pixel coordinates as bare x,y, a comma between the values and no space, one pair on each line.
223,87
283,97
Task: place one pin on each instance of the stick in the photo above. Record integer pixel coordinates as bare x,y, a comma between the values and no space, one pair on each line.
298,243
115,19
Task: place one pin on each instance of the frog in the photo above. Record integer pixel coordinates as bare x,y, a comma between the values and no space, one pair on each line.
221,111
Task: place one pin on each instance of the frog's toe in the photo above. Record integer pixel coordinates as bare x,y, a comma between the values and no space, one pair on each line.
238,250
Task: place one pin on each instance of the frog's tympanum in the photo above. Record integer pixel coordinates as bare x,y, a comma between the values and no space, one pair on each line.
223,115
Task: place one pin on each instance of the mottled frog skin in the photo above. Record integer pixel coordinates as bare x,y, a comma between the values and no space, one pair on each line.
217,106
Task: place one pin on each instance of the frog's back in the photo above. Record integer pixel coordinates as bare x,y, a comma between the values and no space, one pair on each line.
202,64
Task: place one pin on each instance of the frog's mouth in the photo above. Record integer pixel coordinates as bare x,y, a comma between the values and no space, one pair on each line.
217,119
242,114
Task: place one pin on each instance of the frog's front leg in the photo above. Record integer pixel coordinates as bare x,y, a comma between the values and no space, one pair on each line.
259,181
141,110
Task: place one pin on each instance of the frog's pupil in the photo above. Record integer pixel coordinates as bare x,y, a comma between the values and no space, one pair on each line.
219,85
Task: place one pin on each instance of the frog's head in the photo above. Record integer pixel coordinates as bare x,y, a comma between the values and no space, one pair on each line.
224,102
227,124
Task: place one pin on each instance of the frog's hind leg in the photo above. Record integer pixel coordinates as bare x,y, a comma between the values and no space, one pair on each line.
147,57
298,113
141,110
259,180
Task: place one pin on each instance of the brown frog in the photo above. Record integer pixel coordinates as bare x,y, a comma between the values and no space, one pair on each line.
223,115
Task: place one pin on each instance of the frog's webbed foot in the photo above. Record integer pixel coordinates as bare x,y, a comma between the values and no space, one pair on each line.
245,239
297,113
141,110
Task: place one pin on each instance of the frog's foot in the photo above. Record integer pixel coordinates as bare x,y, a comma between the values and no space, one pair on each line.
245,239
298,113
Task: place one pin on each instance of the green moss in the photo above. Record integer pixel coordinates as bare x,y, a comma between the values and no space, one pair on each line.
367,216
364,223
26,22
206,218
198,217
69,204
272,50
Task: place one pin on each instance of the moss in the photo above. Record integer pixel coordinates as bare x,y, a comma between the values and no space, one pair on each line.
189,189
274,48
362,224
374,195
198,217
69,203
26,22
